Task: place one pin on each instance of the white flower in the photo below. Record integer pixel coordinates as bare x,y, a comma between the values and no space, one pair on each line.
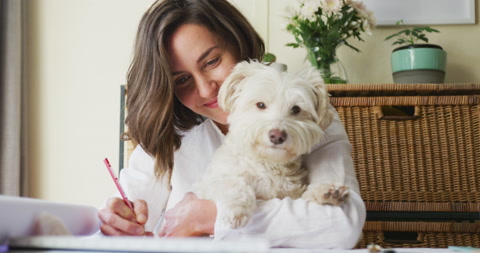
331,6
309,7
363,13
370,23
291,11
359,7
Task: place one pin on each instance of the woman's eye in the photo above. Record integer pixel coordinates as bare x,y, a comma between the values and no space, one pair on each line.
213,62
182,80
261,105
296,110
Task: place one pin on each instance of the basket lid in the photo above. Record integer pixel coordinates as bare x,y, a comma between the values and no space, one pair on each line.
372,90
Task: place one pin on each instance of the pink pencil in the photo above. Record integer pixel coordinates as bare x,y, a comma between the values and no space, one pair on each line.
119,187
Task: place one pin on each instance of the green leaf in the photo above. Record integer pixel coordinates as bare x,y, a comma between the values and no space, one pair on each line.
428,29
294,45
269,57
423,39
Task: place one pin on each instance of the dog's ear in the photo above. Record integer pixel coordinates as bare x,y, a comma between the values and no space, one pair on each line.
324,115
231,87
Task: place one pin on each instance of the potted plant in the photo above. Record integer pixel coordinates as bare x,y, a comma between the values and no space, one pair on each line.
414,62
321,27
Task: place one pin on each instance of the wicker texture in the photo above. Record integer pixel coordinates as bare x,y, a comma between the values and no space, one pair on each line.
427,160
426,234
359,90
430,160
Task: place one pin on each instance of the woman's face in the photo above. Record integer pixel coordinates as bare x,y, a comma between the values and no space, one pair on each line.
200,63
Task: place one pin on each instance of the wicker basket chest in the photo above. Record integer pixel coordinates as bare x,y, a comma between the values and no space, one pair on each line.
416,150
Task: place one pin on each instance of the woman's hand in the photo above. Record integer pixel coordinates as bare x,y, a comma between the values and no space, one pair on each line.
119,219
190,217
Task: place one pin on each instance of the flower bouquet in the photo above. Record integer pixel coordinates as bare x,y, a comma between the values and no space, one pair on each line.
321,26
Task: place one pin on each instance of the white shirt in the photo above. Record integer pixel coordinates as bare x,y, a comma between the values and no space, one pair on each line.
284,222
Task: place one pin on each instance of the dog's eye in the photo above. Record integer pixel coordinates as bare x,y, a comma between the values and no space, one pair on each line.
296,109
261,105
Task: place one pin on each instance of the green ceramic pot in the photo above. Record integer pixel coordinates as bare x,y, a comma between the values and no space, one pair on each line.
421,63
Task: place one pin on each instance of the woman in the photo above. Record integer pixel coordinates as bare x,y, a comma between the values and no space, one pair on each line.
184,50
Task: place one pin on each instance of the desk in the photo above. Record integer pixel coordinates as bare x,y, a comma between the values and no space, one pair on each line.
57,244
277,250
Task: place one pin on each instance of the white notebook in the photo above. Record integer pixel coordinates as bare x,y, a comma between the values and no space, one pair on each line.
20,217
139,244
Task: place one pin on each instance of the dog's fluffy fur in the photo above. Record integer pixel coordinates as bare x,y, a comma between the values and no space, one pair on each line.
275,119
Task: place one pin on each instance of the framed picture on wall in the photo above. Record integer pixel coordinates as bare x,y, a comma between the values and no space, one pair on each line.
424,12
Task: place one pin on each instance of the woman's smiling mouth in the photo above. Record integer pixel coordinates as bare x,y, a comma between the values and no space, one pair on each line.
212,104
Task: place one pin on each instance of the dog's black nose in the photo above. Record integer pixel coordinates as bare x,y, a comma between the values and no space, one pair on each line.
277,136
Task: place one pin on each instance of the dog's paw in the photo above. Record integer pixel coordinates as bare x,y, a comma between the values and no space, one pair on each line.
327,194
236,217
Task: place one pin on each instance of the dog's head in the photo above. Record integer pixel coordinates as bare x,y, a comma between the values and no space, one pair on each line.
276,115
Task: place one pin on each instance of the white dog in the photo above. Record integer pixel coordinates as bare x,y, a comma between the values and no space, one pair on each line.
275,119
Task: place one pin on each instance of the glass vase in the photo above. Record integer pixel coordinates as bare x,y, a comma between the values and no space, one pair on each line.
327,62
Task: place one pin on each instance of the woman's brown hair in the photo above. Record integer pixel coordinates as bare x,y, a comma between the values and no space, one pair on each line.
156,117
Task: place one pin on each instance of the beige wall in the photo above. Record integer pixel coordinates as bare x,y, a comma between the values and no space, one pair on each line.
78,52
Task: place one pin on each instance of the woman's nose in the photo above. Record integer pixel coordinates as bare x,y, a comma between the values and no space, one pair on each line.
206,87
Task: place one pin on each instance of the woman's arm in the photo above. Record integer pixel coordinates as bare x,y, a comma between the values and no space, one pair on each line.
283,222
302,224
